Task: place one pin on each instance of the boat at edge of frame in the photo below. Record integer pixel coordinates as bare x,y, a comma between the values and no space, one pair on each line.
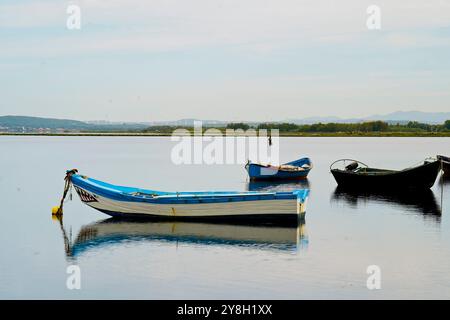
297,169
445,165
359,175
204,205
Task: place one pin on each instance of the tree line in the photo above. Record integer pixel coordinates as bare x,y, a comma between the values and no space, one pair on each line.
363,127
370,126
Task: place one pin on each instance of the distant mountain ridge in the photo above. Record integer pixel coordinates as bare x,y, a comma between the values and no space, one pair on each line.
419,116
398,116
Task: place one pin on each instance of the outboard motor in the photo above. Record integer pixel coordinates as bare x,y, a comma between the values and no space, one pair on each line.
352,166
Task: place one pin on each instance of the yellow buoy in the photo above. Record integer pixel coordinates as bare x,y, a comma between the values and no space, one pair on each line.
56,211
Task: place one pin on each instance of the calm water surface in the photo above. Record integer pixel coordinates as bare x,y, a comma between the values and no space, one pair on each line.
326,257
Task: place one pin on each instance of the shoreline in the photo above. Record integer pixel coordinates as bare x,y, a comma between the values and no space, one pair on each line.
293,135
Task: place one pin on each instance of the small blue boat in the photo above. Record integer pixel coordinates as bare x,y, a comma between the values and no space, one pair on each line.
297,169
135,202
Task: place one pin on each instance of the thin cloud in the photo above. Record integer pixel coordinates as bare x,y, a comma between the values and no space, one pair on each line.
170,25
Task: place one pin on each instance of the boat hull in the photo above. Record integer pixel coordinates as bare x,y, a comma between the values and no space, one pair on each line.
259,172
422,177
236,206
245,210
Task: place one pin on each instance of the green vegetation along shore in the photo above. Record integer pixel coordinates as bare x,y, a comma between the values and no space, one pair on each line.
364,129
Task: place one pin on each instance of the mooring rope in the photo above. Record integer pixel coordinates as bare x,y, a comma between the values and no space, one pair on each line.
68,183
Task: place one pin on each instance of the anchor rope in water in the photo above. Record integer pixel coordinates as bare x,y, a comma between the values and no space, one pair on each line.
68,243
67,187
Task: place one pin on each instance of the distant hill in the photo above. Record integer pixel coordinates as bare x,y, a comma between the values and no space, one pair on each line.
36,123
311,120
419,116
24,123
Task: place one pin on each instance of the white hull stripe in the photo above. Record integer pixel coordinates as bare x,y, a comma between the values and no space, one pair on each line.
258,207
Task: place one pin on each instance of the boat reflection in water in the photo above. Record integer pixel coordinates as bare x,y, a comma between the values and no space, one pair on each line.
421,202
278,186
287,237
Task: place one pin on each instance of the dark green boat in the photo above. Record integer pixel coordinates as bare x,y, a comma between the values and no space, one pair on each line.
353,174
445,165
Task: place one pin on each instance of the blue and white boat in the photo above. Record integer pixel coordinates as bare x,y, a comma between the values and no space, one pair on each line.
297,169
134,202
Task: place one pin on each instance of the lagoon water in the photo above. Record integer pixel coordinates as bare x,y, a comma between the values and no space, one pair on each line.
326,257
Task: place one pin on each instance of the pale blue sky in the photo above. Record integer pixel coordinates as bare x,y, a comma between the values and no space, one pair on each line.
223,59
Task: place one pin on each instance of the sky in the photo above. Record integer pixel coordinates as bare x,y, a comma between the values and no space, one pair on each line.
249,60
